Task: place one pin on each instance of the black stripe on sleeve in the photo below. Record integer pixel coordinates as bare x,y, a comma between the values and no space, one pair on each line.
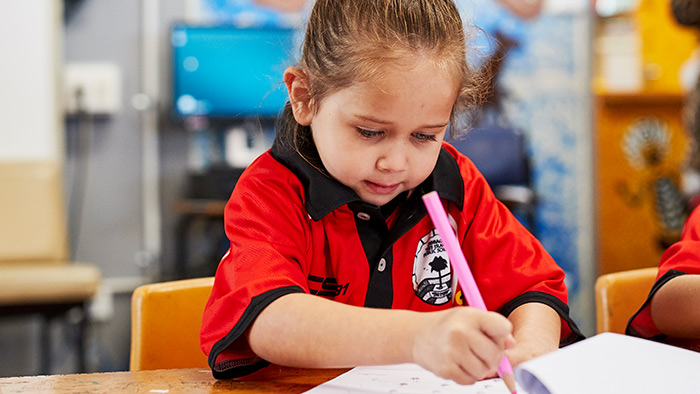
237,368
629,330
553,302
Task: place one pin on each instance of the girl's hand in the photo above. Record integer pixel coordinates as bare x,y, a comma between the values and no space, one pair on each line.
464,344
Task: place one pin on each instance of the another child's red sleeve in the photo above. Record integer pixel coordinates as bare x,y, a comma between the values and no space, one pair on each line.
681,258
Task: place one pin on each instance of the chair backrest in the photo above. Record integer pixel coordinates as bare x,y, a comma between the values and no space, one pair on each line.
33,225
619,295
500,154
165,322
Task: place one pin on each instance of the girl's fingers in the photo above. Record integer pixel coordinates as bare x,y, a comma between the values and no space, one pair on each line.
487,352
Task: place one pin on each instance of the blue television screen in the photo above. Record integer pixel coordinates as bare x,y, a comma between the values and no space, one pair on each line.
230,72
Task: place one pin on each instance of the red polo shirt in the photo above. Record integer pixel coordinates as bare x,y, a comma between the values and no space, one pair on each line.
681,258
294,229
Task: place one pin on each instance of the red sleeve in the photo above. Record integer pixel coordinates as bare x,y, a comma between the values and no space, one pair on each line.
681,258
243,286
683,255
510,265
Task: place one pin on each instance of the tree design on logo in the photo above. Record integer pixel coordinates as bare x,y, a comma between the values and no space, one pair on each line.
438,265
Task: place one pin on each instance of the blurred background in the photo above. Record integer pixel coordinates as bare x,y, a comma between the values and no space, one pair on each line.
153,108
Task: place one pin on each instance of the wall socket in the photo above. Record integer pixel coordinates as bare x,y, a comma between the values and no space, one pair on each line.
102,306
94,88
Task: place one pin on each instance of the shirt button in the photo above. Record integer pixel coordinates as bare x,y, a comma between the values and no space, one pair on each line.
382,265
363,215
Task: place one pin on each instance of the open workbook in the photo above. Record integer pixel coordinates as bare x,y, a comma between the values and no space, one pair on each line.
605,363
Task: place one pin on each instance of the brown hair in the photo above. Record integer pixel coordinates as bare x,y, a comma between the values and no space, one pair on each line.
350,40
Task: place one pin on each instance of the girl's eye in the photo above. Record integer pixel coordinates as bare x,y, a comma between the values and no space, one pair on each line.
368,133
421,137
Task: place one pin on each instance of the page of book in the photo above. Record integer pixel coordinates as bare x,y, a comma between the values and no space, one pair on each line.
402,379
612,363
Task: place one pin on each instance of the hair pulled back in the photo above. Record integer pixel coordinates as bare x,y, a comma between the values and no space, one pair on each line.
349,41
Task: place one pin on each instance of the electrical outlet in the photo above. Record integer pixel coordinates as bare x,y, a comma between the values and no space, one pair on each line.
102,306
93,88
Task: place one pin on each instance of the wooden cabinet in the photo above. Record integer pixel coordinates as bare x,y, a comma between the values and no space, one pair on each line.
640,145
639,138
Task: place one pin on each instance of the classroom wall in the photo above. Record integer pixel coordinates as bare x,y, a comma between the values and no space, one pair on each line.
110,236
103,30
29,80
30,44
107,148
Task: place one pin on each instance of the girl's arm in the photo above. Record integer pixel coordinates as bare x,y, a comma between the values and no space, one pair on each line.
674,307
463,344
537,330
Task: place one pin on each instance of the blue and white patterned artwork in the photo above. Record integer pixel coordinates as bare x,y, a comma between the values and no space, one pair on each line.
545,82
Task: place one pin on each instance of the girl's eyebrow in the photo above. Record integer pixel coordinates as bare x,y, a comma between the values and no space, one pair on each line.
379,121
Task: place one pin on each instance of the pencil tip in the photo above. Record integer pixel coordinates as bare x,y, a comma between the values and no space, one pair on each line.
509,380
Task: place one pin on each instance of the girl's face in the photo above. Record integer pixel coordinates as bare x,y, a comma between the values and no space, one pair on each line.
383,137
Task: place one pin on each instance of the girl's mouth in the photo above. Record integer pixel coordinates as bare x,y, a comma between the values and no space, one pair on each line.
382,189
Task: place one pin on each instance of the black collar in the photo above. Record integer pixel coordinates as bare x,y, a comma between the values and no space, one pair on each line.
324,194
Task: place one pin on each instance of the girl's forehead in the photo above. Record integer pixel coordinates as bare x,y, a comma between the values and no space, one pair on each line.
422,86
377,70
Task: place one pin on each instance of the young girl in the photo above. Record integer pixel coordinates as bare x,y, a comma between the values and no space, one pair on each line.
671,313
334,261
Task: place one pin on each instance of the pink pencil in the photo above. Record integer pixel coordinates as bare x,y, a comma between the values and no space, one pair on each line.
464,274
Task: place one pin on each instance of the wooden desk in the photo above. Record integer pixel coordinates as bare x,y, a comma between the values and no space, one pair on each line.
272,379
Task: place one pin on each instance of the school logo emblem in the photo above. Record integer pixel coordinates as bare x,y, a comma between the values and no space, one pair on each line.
432,276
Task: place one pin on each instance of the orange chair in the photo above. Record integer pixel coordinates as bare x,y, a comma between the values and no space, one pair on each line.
619,295
165,322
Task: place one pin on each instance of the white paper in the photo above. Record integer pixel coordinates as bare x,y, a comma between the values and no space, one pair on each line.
615,364
403,378
606,363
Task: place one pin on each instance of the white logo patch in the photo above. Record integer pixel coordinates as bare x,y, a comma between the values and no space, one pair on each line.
432,276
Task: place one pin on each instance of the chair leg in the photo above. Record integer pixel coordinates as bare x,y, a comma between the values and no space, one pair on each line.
182,250
82,338
46,350
45,346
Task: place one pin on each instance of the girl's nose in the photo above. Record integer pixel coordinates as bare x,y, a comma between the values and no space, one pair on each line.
394,158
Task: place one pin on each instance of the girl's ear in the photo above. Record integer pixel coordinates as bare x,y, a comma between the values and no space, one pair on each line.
298,88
